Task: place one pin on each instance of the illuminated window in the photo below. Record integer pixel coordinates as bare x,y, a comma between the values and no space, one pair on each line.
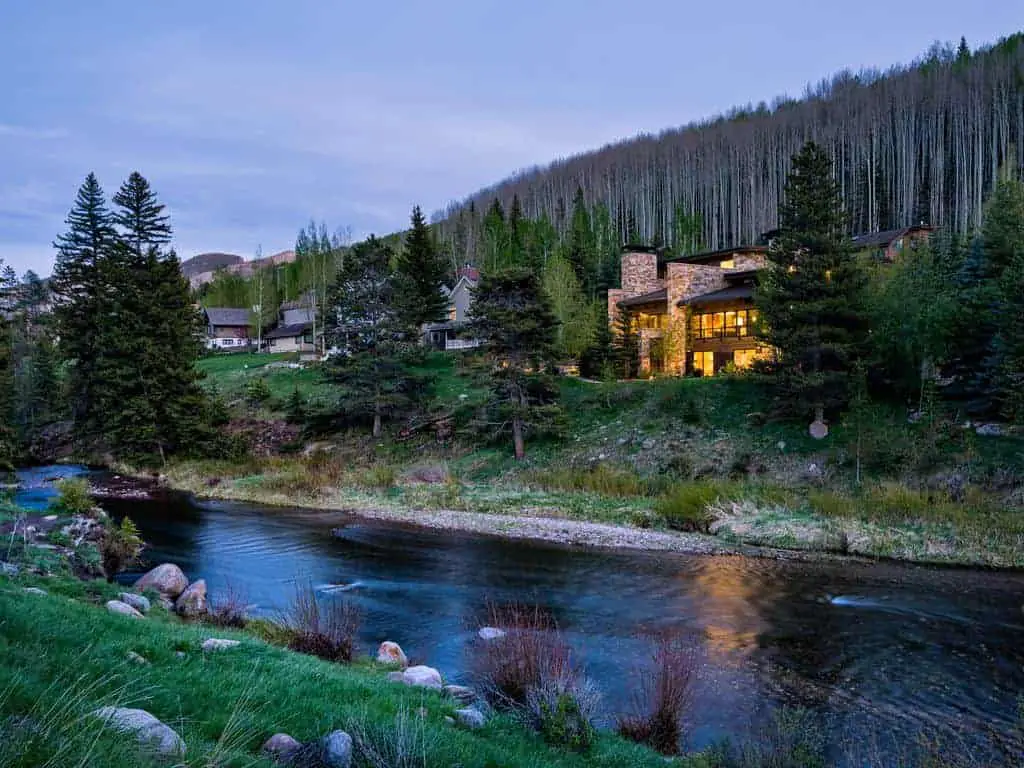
704,362
728,264
744,358
452,313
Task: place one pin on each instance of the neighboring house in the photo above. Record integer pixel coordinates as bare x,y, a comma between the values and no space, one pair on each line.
695,315
888,245
228,328
294,332
446,335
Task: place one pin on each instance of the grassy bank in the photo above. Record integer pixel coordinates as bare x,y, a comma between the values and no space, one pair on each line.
62,656
666,455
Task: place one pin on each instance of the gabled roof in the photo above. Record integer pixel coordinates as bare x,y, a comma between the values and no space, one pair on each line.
288,331
227,316
654,297
885,238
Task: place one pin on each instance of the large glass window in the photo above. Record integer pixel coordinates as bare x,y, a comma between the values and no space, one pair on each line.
651,322
744,358
723,325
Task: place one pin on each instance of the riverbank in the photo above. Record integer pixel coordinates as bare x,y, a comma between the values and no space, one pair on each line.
739,517
224,704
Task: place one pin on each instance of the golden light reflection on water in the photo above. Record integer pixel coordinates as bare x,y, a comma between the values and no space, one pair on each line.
731,623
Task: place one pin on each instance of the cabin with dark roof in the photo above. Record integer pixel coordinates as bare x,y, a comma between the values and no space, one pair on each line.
228,328
889,244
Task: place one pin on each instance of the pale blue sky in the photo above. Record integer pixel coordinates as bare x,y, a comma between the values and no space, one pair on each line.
251,117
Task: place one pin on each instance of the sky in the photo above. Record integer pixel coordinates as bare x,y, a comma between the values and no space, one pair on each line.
251,118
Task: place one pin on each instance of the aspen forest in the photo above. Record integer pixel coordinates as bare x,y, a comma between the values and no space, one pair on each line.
924,142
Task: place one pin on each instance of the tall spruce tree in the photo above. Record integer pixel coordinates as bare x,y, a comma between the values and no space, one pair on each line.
512,316
811,295
7,434
625,346
420,275
372,372
82,290
1004,245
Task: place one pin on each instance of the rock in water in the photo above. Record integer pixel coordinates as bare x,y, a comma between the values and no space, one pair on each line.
336,750
192,602
217,644
151,733
116,606
423,677
167,579
470,718
281,746
138,602
392,653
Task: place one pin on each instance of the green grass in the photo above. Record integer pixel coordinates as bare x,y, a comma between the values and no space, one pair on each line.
61,657
230,374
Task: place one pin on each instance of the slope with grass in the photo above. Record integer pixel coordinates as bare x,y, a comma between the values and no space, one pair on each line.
677,458
62,656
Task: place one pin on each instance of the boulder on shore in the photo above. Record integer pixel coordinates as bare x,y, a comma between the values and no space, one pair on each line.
138,602
219,644
152,734
167,579
281,746
470,718
423,677
336,750
116,606
192,602
392,653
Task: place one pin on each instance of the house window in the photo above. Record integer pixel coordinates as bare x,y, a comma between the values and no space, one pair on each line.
736,323
744,358
651,322
728,264
453,313
898,245
704,363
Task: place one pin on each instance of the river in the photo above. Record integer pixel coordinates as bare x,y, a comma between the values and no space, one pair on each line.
870,648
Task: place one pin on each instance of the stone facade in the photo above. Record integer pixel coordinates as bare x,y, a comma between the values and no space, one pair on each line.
640,273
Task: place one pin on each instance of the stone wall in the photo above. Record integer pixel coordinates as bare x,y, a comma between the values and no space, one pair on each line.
640,273
684,281
748,261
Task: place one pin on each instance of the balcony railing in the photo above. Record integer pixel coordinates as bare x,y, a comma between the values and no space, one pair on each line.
455,344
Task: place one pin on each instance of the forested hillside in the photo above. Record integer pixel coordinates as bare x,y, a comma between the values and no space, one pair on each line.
923,142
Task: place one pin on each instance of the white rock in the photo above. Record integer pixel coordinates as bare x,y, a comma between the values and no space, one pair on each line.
281,746
151,733
396,677
491,633
392,653
34,591
423,677
192,602
167,579
470,718
460,693
138,602
116,606
336,750
135,658
219,644
990,430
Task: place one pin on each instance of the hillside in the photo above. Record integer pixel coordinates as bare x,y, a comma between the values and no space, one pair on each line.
208,262
923,142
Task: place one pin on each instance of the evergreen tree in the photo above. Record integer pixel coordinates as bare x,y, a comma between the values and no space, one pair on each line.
811,295
626,346
82,289
420,274
575,320
495,238
581,246
599,358
512,316
140,216
1004,245
372,372
7,436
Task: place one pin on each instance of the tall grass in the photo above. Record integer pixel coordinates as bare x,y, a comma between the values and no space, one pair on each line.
327,631
602,479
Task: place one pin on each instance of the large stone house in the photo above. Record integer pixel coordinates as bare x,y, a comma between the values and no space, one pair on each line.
695,315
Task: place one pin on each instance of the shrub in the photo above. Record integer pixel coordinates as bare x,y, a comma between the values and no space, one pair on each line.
792,739
74,498
531,654
686,507
228,608
406,743
325,631
257,392
380,477
563,711
119,547
662,699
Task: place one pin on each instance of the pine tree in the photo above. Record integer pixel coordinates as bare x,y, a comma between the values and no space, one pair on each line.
372,373
811,295
495,238
7,436
1004,245
140,216
581,246
575,330
626,346
600,356
512,316
82,290
420,274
